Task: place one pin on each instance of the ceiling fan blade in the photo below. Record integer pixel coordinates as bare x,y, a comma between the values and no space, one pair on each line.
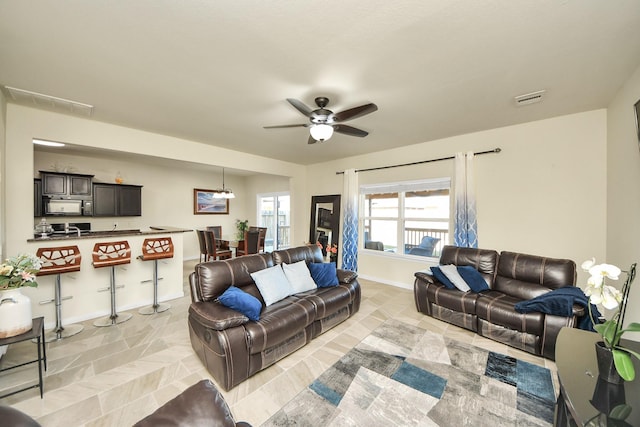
350,130
300,106
311,140
352,113
285,126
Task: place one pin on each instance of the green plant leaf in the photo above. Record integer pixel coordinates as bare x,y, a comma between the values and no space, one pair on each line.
620,412
607,330
632,327
624,364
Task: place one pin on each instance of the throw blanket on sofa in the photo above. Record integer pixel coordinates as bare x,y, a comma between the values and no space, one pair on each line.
560,302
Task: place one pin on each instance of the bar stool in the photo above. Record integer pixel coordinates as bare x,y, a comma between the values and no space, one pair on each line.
112,254
153,250
59,260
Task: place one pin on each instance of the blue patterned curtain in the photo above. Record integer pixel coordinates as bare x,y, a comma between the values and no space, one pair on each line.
466,221
350,221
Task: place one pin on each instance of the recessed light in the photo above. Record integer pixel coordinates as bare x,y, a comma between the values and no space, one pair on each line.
48,143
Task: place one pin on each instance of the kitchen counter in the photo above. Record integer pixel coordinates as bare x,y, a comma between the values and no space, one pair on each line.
72,235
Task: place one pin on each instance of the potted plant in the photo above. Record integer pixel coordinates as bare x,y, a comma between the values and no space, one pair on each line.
611,329
15,307
242,226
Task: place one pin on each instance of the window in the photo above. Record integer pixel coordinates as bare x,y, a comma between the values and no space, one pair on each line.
407,218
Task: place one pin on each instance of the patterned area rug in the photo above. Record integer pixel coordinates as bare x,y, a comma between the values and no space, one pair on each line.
403,375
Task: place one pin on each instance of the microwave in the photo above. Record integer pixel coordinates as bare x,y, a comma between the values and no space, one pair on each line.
68,207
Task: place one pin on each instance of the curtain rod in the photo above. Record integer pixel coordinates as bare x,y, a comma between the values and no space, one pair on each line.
495,150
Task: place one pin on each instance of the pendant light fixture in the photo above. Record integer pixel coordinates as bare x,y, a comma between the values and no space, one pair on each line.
223,193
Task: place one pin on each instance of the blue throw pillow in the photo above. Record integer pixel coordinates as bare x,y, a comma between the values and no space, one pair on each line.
440,277
473,278
239,300
324,274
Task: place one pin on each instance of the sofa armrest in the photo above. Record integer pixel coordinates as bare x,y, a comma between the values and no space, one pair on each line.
200,404
579,311
346,276
425,277
216,316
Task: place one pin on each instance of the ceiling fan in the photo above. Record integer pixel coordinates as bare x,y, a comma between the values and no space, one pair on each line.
323,122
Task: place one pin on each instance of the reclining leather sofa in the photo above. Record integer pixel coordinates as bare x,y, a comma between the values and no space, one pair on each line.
232,347
512,277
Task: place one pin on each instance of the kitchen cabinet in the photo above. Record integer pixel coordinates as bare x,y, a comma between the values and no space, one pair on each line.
37,197
55,184
117,200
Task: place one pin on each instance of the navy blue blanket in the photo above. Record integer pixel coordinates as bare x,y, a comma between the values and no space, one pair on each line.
560,303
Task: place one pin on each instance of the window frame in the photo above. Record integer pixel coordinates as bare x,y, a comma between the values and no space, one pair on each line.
401,188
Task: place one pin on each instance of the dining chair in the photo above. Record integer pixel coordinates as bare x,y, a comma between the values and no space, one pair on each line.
213,251
217,230
251,241
203,245
263,235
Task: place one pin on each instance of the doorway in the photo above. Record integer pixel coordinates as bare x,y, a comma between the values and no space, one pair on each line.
274,212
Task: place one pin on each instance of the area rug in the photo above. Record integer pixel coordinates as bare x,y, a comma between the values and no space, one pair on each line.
403,375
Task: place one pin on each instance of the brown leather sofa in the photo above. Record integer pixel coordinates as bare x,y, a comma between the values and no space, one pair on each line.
512,277
232,347
199,405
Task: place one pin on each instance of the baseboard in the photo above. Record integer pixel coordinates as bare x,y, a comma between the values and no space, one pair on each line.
387,282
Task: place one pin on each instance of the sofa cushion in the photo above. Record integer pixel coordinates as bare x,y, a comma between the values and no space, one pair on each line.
483,260
299,276
273,284
324,274
442,278
473,278
279,322
329,300
309,253
237,299
451,271
498,308
453,299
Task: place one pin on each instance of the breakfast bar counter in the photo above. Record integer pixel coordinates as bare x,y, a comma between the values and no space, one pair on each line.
89,286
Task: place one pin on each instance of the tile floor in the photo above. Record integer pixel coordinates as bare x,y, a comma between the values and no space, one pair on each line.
117,375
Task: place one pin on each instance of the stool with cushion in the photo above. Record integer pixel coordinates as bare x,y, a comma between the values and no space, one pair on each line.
112,254
59,260
152,250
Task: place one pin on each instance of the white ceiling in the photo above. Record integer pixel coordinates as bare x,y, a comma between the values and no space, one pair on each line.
218,71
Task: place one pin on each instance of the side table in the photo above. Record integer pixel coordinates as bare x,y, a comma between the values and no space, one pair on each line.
36,333
585,399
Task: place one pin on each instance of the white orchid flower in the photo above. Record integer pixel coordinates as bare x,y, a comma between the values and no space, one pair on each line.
588,264
606,295
605,270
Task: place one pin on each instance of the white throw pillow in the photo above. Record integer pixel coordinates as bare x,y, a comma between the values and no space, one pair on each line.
451,271
272,284
299,277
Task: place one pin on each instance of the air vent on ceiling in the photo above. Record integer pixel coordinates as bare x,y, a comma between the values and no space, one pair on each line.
39,100
529,98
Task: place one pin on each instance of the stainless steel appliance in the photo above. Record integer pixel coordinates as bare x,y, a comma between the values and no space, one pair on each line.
69,207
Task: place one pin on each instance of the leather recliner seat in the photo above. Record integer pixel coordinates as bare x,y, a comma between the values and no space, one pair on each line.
232,347
512,277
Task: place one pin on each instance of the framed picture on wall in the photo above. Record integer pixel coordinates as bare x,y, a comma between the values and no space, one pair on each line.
636,110
205,203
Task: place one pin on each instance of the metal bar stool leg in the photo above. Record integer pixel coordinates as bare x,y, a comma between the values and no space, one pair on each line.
114,318
155,308
60,332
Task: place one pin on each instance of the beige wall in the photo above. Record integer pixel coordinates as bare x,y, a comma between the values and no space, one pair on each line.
623,189
545,193
3,121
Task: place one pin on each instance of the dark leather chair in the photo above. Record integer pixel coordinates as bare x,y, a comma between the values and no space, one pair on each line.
214,251
199,405
261,238
250,244
203,245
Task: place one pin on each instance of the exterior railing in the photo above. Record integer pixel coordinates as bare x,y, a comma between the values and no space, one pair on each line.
413,237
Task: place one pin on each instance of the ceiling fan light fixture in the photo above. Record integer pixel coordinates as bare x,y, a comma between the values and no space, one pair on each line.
321,132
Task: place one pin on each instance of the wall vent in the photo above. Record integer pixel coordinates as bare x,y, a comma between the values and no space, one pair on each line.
529,98
39,100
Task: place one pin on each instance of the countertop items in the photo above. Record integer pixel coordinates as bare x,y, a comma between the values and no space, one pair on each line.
107,233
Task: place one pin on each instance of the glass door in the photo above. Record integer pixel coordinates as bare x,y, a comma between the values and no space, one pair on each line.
274,212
